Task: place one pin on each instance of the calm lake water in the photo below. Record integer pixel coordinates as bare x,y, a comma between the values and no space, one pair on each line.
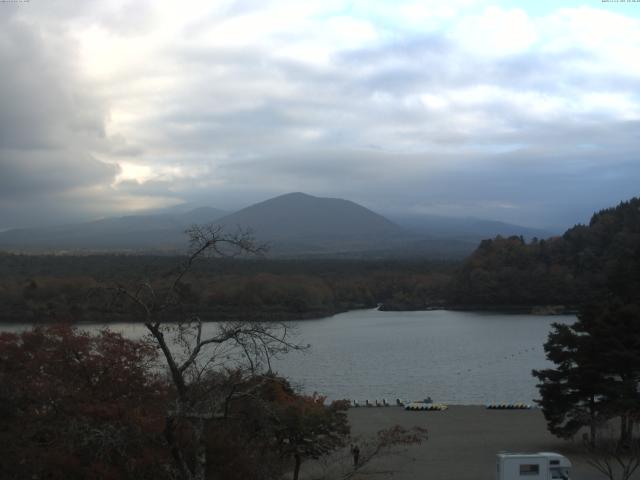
453,357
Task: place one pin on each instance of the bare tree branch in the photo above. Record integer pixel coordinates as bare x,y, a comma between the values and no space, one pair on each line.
615,460
184,342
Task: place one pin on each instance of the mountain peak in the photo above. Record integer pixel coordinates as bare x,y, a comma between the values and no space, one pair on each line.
301,218
294,195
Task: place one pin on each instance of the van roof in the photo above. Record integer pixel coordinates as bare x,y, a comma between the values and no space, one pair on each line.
562,460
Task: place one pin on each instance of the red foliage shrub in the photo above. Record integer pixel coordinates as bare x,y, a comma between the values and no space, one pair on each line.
79,406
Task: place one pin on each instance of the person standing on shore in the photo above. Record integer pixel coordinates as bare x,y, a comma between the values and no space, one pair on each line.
355,451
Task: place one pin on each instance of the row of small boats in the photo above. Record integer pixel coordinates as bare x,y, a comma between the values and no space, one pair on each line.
422,406
428,405
508,406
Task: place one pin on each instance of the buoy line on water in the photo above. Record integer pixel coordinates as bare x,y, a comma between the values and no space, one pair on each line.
497,360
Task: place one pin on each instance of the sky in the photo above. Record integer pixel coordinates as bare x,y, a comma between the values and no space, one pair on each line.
520,111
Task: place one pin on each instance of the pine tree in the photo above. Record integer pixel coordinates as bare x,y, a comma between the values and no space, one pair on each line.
597,371
572,393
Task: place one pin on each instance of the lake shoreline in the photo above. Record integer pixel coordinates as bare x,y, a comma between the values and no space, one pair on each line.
551,310
507,309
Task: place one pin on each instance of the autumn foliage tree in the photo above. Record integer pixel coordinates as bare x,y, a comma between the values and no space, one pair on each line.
268,429
305,426
77,406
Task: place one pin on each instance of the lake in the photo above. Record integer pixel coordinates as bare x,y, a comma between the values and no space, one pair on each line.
453,357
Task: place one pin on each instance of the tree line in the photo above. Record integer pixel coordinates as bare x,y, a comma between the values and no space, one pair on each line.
594,386
586,262
60,288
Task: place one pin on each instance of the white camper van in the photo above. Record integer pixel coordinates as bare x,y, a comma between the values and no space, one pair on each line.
533,466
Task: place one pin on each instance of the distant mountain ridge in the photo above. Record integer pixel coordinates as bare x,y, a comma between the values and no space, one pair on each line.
294,224
132,232
466,227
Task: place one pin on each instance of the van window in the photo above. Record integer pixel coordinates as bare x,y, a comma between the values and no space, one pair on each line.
531,469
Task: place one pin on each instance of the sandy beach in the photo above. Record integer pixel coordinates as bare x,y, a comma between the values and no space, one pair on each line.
463,442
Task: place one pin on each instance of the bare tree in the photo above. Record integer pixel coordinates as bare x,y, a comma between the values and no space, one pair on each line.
387,442
192,349
614,459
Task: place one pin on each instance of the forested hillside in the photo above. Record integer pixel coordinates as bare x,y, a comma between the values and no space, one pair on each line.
71,288
585,262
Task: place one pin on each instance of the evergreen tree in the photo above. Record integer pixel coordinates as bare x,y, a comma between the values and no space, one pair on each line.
597,371
572,393
615,328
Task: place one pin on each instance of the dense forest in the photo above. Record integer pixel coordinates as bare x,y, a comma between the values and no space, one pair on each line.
588,261
54,288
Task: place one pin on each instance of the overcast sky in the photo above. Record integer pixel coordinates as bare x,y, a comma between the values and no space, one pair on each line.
527,112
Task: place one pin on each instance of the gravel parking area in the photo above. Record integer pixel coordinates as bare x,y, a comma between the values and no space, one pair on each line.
463,442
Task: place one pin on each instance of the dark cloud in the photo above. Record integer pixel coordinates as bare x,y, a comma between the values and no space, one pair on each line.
42,173
48,123
404,121
40,101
